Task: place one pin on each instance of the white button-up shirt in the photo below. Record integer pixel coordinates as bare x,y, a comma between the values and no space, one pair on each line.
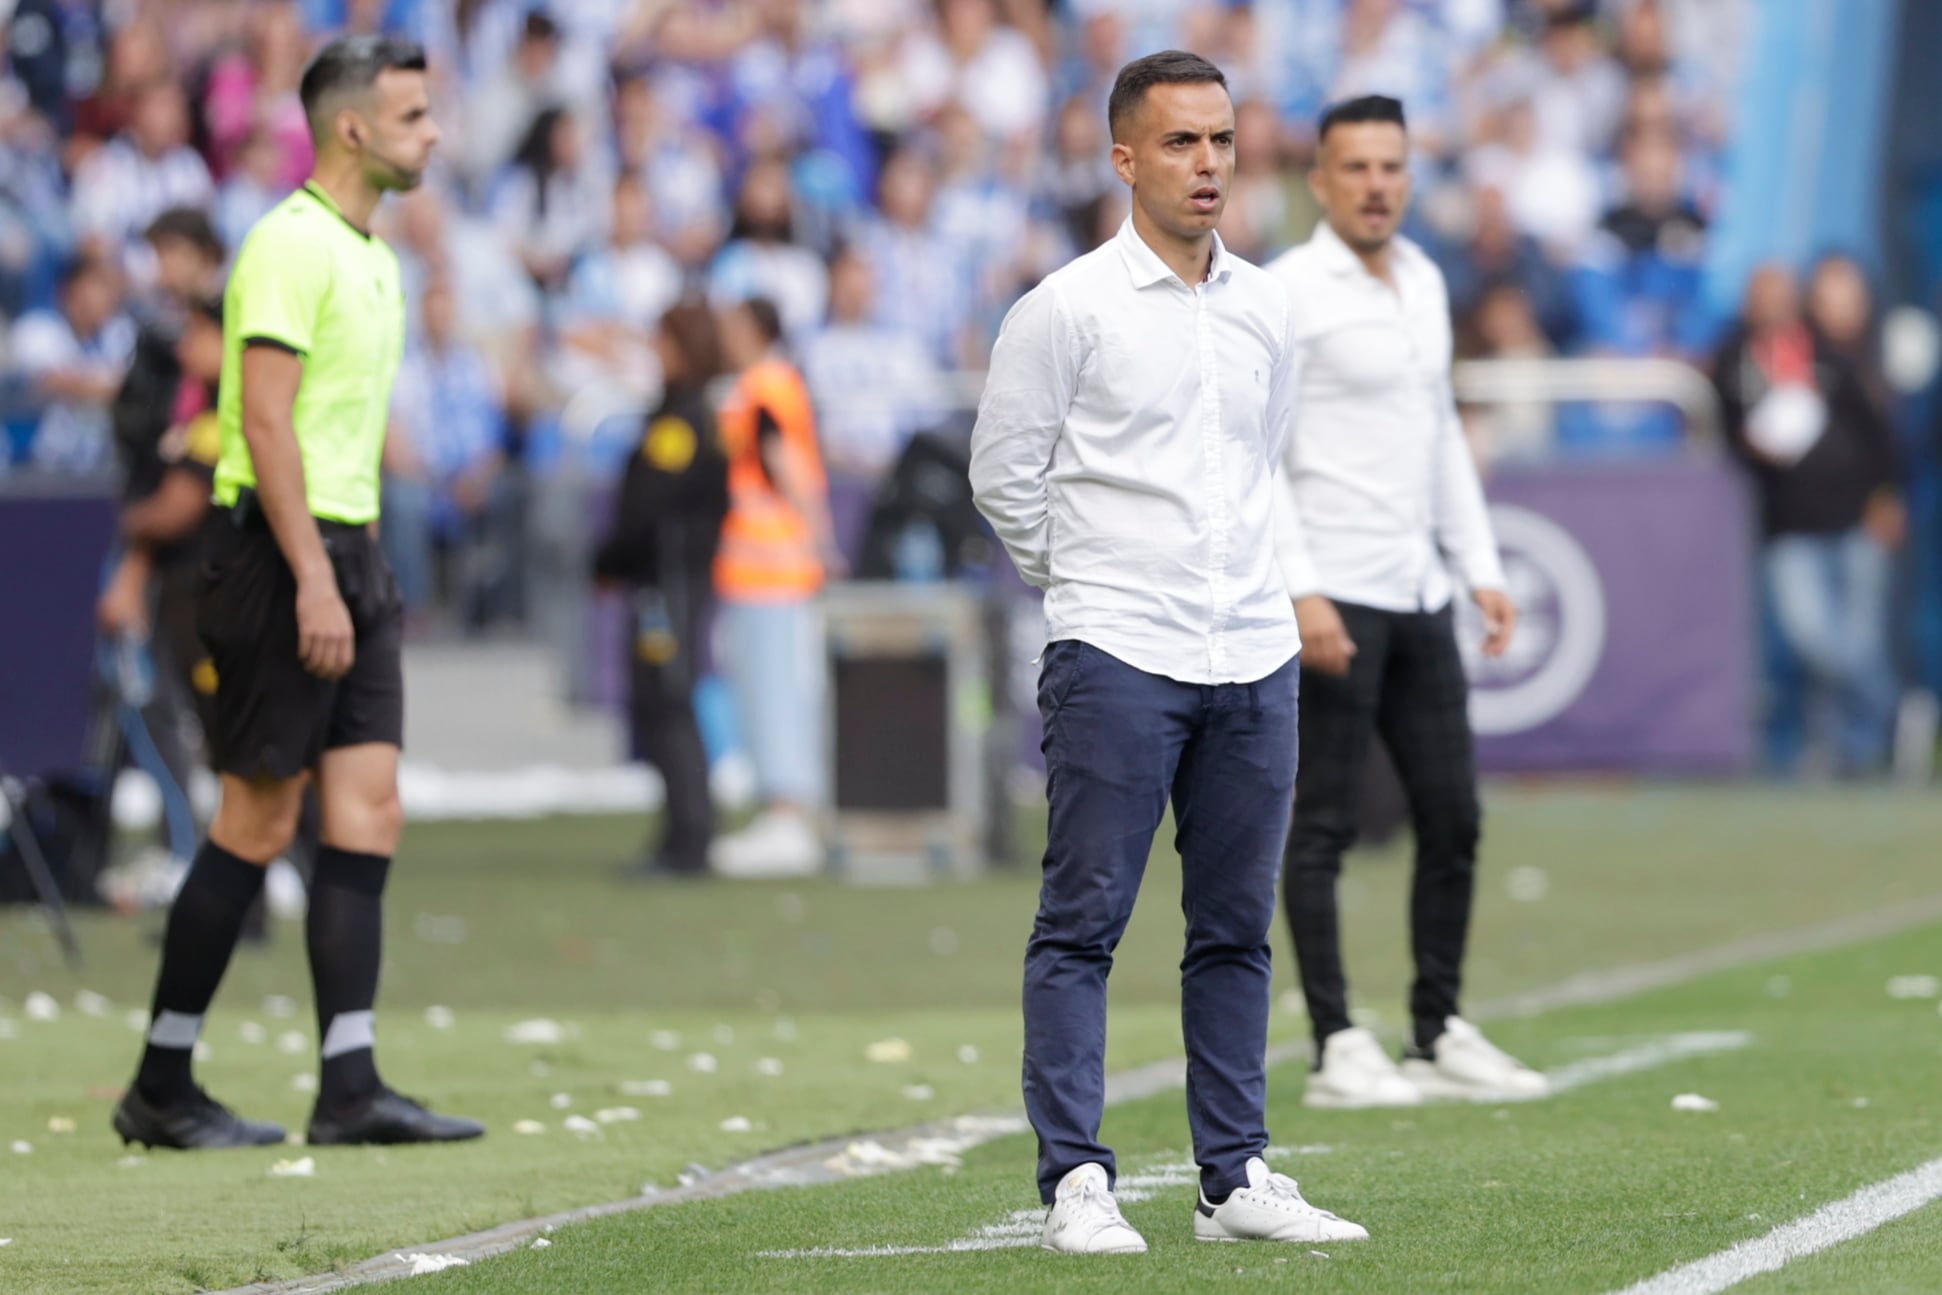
1126,450
1378,491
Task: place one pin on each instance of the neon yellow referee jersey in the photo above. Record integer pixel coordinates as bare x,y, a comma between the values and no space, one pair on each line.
308,280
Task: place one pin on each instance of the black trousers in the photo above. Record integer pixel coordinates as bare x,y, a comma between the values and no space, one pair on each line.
662,639
1406,684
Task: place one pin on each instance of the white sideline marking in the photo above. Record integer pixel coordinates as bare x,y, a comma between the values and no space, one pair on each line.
1646,1056
1830,1225
1021,1228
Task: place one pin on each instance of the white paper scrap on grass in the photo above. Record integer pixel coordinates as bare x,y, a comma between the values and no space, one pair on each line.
423,1264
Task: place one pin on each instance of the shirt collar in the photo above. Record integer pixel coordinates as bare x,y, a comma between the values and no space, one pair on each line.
1145,267
1339,258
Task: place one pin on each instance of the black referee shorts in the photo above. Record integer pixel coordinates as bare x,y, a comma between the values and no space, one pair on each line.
272,717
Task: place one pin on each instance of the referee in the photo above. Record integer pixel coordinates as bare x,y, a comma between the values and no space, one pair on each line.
1383,495
301,615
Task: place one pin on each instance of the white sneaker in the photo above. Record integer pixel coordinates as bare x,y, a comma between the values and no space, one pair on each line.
1355,1072
1270,1208
778,843
1464,1066
1085,1219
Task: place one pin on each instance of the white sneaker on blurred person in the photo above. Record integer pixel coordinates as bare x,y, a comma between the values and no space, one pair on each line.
1355,1073
778,843
284,891
1270,1208
1085,1219
1462,1065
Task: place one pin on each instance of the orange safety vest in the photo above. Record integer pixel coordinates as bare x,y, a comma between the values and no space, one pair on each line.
768,553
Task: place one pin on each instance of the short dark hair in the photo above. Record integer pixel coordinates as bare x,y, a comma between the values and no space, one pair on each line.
353,63
697,333
189,225
767,318
1355,112
1168,67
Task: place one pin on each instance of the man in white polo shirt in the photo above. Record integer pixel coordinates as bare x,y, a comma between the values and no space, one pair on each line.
1125,453
1380,496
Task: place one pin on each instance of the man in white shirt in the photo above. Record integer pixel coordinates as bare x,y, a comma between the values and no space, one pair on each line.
1125,453
1379,493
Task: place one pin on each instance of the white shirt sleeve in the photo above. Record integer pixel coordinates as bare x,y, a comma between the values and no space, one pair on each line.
1028,390
1290,541
1462,518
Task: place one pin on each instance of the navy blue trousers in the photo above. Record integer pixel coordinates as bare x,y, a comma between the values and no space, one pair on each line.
1119,744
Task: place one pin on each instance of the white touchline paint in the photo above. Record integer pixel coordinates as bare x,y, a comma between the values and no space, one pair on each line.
1830,1225
1021,1228
1649,1055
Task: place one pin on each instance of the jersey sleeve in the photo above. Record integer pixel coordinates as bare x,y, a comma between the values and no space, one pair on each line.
278,287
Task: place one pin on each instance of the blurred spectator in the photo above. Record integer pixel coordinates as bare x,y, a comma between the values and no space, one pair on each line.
142,172
677,165
255,184
70,361
777,546
1841,310
1078,177
34,231
1640,288
926,277
55,50
667,527
1388,48
1268,208
985,214
1502,325
498,304
990,68
251,100
1575,87
1497,253
762,258
153,396
1824,464
631,278
791,93
1551,192
500,107
552,202
445,487
617,292
138,57
874,386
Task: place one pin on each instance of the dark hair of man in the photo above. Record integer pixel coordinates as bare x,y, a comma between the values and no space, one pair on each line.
767,318
696,332
186,225
1168,67
352,63
1356,112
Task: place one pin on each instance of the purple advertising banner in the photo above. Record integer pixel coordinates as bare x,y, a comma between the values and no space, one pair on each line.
52,548
1635,650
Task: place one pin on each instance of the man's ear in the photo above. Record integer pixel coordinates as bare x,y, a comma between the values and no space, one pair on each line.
1123,163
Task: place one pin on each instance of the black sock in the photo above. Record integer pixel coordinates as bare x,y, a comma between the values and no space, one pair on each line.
203,925
345,933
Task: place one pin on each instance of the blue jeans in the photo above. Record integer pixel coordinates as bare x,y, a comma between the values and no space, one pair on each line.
1119,743
1829,595
772,654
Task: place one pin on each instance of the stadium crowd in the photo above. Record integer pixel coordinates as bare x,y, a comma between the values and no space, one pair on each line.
892,175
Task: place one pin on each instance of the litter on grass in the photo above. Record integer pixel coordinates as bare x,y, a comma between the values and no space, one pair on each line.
540,1243
888,1051
23,1148
645,1088
541,1031
291,1042
439,1018
768,1066
664,1040
89,1003
736,1124
1693,1102
304,1168
252,1033
560,1101
581,1125
703,1063
60,1124
424,1264
41,1007
1914,987
968,1055
529,1127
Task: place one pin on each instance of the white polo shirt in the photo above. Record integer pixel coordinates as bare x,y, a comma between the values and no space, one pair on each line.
1126,450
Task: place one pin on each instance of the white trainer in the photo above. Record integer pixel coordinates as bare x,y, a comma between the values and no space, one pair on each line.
1270,1208
1464,1066
1354,1073
1085,1219
776,843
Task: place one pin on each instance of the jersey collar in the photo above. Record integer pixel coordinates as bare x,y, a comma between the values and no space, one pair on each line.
316,191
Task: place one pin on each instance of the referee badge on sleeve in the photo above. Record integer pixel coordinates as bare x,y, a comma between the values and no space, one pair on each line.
670,444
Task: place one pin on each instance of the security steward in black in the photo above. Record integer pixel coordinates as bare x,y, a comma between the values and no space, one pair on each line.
667,525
